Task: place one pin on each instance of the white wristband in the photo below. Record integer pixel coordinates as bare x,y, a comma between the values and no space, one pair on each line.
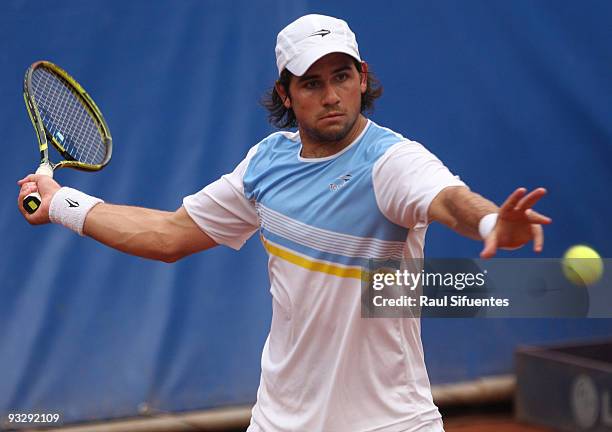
486,225
69,207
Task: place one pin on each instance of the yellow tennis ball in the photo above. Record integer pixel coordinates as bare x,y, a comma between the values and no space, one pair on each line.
582,265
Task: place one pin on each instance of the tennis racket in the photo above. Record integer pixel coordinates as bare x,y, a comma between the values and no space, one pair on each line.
64,115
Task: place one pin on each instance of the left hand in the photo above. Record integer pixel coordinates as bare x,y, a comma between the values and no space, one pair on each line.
517,223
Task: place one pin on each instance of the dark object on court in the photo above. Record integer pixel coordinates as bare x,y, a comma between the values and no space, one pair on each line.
568,388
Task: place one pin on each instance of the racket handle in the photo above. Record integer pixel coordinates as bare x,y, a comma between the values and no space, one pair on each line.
32,201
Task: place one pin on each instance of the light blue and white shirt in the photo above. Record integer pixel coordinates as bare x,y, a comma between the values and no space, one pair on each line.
324,368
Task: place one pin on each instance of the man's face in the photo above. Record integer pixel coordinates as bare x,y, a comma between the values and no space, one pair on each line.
326,100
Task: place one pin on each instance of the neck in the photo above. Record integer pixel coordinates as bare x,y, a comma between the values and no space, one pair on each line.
317,149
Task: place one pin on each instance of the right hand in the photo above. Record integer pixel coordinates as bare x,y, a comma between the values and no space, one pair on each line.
46,187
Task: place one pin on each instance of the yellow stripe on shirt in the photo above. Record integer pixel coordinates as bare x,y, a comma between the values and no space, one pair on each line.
319,266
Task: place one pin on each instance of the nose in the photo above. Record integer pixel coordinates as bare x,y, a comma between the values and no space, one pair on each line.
330,96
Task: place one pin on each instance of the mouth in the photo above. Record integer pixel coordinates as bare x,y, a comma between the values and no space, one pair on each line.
332,115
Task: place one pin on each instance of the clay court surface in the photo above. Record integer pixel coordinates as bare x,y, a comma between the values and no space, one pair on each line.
480,418
489,424
492,418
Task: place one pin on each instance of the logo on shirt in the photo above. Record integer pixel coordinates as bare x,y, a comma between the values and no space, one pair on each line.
339,182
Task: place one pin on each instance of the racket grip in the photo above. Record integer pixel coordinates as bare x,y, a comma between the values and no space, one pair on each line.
32,201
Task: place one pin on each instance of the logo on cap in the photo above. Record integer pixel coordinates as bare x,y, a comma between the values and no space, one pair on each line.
321,33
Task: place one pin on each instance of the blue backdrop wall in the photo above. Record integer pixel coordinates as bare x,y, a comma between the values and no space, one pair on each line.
508,94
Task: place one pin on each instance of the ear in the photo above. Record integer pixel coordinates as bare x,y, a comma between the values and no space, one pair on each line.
364,77
283,95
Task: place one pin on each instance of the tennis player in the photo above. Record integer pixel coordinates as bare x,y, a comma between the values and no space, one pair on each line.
325,199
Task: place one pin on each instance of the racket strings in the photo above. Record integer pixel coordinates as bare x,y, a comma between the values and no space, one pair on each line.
66,118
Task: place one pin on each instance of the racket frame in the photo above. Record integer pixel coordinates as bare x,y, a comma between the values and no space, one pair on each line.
44,136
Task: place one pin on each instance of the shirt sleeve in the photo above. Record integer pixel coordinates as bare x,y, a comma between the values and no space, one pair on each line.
406,179
222,211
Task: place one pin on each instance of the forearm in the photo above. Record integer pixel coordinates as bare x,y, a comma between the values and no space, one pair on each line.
143,232
461,209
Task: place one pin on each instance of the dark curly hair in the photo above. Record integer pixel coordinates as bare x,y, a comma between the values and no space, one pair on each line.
282,117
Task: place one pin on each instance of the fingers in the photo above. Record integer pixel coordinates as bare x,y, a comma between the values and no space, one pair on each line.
28,188
537,218
538,238
25,190
519,205
31,178
28,178
518,222
490,246
44,183
514,198
531,199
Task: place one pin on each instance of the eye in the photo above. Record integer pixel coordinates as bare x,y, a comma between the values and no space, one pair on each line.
342,76
311,84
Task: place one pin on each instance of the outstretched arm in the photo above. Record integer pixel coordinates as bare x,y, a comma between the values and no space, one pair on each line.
517,223
154,234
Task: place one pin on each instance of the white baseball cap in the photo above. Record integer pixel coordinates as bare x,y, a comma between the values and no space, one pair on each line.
309,38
